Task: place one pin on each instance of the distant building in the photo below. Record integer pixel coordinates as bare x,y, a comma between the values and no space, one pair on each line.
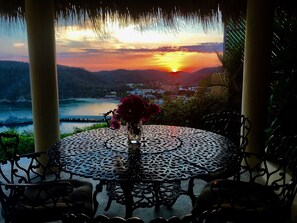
133,85
136,92
192,88
112,94
149,96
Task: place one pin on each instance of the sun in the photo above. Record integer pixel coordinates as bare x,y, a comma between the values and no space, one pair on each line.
174,70
170,61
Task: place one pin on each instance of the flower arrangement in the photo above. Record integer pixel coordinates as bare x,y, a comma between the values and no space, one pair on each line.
133,109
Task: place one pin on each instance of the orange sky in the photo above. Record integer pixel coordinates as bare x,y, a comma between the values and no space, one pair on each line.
178,61
189,49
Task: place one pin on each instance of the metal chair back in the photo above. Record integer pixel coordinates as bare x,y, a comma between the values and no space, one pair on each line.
230,124
263,190
31,188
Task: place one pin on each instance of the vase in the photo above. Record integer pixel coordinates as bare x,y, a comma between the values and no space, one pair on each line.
134,132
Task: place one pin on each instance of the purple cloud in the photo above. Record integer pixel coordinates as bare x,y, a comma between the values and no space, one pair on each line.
203,48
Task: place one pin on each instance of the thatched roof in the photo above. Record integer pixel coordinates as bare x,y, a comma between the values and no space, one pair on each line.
138,11
132,11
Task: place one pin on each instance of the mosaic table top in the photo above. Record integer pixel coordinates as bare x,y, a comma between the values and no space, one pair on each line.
166,153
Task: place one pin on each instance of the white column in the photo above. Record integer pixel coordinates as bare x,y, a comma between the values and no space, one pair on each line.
257,69
43,72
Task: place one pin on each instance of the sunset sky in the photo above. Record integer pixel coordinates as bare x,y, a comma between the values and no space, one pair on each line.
189,48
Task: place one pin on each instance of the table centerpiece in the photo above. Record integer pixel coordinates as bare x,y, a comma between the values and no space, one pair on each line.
133,111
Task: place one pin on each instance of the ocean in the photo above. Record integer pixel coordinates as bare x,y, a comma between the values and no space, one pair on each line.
79,106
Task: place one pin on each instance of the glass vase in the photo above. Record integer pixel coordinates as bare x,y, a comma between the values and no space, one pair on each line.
134,132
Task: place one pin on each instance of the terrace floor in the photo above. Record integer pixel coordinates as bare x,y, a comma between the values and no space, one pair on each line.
180,208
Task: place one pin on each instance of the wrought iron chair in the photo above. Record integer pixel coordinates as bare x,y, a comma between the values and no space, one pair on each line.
234,126
82,218
185,219
231,124
32,188
262,191
206,217
107,116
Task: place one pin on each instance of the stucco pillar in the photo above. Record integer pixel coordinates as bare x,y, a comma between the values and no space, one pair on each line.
257,69
43,72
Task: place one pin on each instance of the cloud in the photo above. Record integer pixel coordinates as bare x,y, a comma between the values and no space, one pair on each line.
200,48
18,45
204,48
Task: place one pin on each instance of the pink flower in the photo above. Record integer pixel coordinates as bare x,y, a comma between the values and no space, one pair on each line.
114,123
152,110
133,108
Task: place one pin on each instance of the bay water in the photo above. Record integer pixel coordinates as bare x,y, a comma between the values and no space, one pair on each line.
79,106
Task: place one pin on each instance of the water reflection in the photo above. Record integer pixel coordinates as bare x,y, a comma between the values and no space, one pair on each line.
84,106
87,107
65,127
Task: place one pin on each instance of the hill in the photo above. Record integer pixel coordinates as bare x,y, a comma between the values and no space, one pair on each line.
78,83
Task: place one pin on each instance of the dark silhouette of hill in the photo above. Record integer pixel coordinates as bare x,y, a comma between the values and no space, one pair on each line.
190,79
14,80
154,76
77,82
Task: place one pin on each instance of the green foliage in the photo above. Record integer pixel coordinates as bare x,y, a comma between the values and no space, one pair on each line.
78,130
283,98
95,126
233,67
172,112
282,107
282,119
26,144
200,105
188,112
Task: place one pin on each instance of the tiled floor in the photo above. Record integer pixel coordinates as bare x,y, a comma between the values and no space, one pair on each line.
180,208
294,211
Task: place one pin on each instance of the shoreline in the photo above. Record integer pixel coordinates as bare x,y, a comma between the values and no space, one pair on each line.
25,101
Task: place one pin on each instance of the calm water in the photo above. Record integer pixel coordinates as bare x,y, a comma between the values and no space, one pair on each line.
84,106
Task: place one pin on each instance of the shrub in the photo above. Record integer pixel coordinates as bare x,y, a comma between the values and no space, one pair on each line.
189,112
26,144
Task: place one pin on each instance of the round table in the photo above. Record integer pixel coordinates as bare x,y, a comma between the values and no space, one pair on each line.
166,154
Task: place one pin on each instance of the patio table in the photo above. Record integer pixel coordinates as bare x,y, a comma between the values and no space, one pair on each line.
167,154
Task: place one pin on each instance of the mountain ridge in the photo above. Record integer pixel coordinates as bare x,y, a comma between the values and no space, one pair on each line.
78,82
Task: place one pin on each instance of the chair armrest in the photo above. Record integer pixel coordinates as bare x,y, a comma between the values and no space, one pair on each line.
46,183
42,184
46,190
33,155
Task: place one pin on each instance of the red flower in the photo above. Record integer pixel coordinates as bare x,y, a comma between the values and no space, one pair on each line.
133,109
114,123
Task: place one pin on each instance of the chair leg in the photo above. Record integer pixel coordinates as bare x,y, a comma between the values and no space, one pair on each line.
190,191
110,188
99,188
108,203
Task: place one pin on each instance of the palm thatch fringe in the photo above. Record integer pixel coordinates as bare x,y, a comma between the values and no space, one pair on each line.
143,12
136,12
